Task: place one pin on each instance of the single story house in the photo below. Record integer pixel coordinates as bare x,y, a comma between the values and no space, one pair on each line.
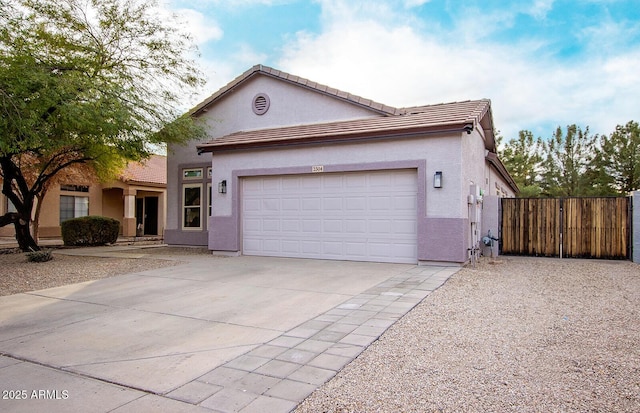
293,168
137,199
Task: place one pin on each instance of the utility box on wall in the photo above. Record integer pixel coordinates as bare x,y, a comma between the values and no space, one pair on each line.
491,225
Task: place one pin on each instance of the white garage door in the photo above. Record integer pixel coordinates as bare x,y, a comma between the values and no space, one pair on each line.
358,216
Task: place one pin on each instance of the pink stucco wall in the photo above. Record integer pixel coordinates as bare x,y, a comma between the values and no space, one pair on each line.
443,212
290,105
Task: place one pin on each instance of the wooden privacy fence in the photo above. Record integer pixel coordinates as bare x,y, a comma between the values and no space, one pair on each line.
566,227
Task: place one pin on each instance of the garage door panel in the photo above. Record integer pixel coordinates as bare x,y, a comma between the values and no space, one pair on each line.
252,245
253,225
291,225
380,226
380,203
271,225
332,204
358,249
311,247
332,181
271,184
312,226
290,247
365,216
272,245
311,204
404,227
405,203
252,205
381,180
291,184
332,226
356,226
356,204
311,183
334,248
356,182
290,204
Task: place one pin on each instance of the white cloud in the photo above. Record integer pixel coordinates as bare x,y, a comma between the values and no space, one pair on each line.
415,3
540,8
201,27
221,71
393,63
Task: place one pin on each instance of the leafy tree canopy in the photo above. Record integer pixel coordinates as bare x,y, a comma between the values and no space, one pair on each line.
567,156
573,163
99,82
522,159
618,159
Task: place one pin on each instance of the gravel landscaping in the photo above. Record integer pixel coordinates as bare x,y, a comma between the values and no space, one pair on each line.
518,335
17,275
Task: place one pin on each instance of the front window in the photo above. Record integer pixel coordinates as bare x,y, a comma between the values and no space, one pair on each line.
192,206
73,207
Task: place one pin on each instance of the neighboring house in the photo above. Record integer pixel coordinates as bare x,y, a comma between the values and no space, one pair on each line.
137,200
298,169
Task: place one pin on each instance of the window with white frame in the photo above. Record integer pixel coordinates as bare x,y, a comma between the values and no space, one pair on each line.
192,173
73,207
192,206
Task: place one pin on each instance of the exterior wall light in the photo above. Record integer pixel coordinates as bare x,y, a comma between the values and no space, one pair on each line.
222,187
437,179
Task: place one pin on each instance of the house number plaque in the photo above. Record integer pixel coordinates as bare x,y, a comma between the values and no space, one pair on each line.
317,168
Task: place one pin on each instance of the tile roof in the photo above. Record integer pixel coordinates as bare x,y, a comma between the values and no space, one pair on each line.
456,116
149,171
299,81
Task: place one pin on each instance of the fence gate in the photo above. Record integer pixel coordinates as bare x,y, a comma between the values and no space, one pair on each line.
566,227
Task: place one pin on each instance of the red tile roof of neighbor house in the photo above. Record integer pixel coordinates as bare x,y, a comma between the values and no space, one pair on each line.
149,171
419,120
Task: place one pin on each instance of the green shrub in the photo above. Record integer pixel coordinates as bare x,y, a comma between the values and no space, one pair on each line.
91,230
39,256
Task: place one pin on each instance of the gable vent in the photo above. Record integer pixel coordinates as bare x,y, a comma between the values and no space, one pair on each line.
261,103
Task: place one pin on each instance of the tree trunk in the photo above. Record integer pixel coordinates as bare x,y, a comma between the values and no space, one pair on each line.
22,199
23,236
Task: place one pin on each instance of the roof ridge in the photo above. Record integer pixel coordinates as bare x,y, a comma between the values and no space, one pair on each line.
477,110
456,116
300,81
415,109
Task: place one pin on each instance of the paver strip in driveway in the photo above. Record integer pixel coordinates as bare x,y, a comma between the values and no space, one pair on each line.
229,335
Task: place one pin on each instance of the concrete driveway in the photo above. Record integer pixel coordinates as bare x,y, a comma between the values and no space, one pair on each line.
215,334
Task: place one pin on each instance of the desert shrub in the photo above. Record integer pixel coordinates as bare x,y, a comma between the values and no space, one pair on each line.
91,230
39,256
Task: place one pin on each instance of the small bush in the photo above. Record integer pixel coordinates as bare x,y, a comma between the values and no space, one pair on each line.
39,256
91,230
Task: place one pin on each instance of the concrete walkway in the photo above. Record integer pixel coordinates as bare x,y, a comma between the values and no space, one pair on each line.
243,334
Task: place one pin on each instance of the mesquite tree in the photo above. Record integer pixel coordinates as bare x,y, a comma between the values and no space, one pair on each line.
94,82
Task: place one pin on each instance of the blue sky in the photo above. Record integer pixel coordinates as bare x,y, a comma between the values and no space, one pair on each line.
543,63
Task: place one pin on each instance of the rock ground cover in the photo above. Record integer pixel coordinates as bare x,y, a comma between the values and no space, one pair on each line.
519,335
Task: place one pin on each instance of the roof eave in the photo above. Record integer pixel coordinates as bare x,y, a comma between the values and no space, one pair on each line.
493,159
335,138
144,183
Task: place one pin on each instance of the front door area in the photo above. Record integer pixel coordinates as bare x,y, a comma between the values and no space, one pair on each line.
147,215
